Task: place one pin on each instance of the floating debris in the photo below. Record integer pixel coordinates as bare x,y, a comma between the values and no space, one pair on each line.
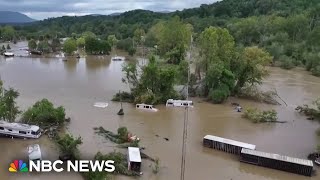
101,104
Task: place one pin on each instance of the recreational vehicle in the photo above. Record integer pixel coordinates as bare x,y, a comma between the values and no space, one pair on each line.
19,130
146,107
179,103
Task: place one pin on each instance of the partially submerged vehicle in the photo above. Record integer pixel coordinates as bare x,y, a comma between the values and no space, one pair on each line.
19,130
146,107
118,58
179,103
8,54
34,152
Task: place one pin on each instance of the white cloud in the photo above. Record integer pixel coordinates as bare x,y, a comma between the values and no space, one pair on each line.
40,9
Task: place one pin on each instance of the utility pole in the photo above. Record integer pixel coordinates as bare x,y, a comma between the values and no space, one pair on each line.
185,121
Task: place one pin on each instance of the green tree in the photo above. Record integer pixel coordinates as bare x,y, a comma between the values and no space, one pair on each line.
55,44
156,84
217,50
139,36
174,40
91,44
216,45
112,40
68,145
69,46
81,42
44,46
32,45
251,66
154,34
43,113
8,33
8,108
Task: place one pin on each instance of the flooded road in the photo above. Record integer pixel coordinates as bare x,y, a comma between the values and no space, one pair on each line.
78,84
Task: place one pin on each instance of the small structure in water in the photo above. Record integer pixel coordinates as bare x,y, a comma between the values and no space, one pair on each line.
226,145
239,108
276,161
34,152
146,107
179,103
134,159
101,104
120,113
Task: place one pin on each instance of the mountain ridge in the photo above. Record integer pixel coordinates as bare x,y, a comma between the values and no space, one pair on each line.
14,17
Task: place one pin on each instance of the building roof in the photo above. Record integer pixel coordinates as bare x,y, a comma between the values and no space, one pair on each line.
34,152
278,157
134,154
19,126
231,142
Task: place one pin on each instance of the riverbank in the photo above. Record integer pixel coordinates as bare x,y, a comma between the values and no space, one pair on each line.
77,85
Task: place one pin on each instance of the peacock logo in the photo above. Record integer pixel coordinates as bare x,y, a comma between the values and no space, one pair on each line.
18,166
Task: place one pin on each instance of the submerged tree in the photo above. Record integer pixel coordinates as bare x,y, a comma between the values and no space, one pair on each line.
32,44
43,113
69,46
8,108
155,84
69,145
250,67
217,51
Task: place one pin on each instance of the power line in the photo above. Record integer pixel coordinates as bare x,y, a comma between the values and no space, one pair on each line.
185,122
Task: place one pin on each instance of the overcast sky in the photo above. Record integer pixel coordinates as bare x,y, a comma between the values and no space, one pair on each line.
41,9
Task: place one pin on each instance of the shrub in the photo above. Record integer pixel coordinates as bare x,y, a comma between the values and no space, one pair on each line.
286,62
69,145
316,71
220,94
43,113
258,116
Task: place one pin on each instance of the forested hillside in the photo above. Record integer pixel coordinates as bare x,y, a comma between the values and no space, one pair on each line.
288,29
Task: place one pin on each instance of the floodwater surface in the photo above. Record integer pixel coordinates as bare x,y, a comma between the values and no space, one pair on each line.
78,84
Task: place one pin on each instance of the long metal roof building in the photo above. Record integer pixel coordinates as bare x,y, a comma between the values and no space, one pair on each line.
230,141
278,157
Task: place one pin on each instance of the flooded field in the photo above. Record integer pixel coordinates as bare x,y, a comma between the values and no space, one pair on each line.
78,84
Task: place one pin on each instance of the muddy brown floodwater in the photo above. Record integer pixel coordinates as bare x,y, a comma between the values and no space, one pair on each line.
78,84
